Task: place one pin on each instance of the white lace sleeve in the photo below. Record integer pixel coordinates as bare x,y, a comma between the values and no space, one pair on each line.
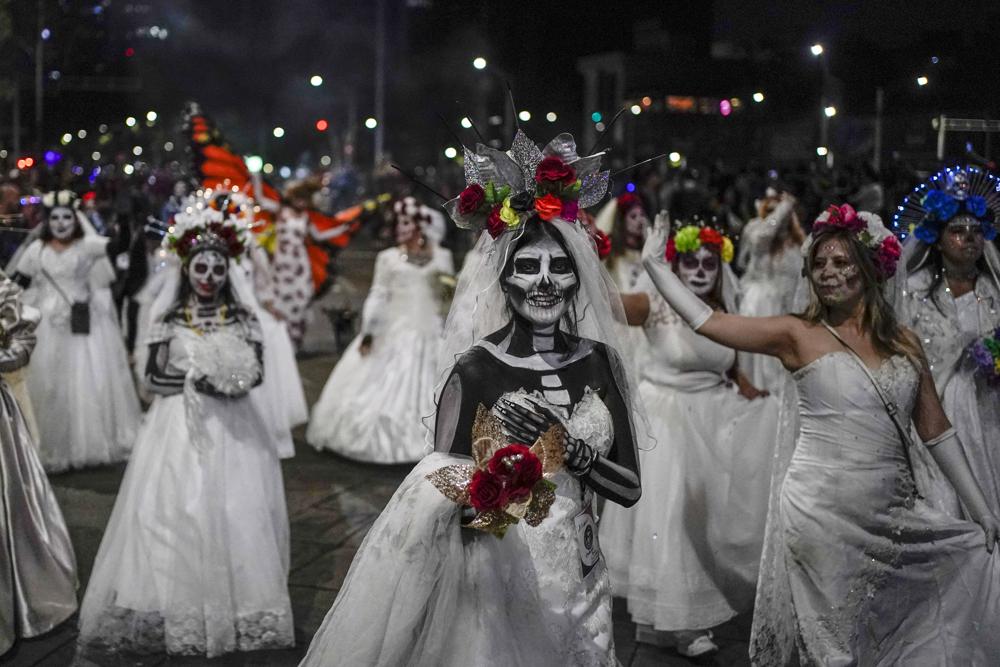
378,295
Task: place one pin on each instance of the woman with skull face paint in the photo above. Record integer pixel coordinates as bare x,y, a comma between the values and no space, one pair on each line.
79,379
195,557
374,403
538,316
857,568
686,557
952,302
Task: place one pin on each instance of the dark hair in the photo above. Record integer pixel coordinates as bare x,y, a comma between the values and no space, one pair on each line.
935,264
534,230
47,231
879,317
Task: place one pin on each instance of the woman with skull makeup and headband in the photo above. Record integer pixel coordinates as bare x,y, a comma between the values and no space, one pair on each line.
952,302
374,403
857,568
686,557
194,560
427,587
79,379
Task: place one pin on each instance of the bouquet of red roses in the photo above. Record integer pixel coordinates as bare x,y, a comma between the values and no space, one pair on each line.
507,482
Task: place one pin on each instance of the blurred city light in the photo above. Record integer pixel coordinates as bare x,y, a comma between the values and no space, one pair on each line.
479,63
322,125
254,163
596,116
130,121
551,116
524,115
830,111
278,132
821,151
66,138
465,122
635,109
137,151
921,80
315,81
758,97
450,153
371,123
82,134
816,49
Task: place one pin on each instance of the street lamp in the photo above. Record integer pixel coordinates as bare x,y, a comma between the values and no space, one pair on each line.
921,81
371,123
278,132
816,49
465,122
830,111
450,152
551,116
635,109
479,63
316,81
758,97
524,116
151,116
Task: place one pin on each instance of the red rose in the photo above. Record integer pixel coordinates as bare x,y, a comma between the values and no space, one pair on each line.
487,491
626,201
548,206
603,244
671,250
554,170
471,199
494,225
518,468
709,236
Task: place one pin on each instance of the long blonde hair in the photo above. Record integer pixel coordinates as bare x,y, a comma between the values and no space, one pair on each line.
879,317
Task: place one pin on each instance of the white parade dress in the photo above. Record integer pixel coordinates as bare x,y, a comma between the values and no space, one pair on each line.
81,384
856,570
686,556
195,557
373,408
946,326
425,592
768,288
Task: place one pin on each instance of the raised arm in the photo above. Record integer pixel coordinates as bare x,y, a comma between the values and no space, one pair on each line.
776,336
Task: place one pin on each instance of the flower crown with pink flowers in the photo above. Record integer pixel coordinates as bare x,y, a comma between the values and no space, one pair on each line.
868,229
504,189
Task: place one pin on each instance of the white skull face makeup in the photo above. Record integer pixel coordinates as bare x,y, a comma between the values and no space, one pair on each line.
406,229
699,270
207,273
62,223
543,282
835,276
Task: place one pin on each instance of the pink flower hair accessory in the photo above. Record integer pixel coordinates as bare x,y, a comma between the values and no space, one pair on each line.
865,227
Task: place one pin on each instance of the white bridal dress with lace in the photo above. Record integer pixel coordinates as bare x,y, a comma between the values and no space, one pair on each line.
194,560
425,592
373,407
856,570
946,327
686,556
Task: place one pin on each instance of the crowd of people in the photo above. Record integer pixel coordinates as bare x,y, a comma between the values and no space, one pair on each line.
718,392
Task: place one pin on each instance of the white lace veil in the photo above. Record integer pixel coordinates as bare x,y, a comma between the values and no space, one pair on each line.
479,308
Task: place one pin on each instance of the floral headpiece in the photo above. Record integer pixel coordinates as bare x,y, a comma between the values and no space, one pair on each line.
689,238
951,192
627,201
65,198
506,188
866,228
211,223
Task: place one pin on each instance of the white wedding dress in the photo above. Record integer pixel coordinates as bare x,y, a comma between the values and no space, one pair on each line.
374,408
80,383
856,570
946,326
195,557
425,592
686,556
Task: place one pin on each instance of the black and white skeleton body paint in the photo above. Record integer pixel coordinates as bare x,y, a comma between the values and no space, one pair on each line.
537,351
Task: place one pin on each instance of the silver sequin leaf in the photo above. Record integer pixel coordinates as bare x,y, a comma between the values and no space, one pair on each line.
593,188
526,154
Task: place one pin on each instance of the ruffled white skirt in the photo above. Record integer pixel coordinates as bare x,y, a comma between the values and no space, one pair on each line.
377,408
281,391
686,556
423,591
83,387
195,557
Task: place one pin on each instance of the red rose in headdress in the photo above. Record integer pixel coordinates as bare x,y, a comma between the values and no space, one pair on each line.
471,199
554,170
627,201
603,243
494,225
710,236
